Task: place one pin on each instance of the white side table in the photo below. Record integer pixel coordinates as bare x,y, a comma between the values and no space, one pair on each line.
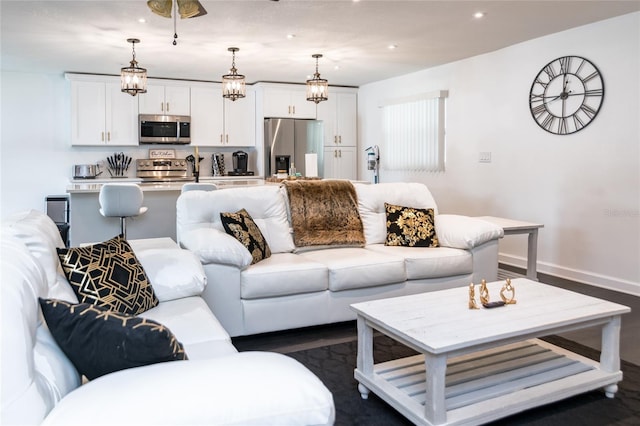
512,227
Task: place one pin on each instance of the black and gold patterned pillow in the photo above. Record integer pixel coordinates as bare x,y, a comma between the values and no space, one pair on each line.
108,274
99,341
241,226
411,227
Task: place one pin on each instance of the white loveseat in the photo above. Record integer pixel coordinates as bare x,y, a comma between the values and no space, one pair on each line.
217,385
296,288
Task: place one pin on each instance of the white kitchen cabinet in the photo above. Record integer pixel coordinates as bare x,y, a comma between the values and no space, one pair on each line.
102,115
219,122
287,101
340,117
340,162
165,100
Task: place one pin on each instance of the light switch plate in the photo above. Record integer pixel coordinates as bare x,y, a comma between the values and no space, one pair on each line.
484,157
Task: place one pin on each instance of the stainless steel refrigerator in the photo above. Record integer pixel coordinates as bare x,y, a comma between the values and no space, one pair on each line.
288,140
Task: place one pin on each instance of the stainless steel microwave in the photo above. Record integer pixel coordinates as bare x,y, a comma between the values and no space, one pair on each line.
164,129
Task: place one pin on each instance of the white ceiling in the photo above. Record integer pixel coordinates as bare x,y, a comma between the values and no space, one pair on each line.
90,36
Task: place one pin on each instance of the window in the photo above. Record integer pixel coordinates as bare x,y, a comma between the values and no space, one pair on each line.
414,133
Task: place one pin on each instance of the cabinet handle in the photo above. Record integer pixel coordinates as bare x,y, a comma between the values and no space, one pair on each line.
102,136
108,136
340,153
294,110
221,138
167,106
335,153
340,139
227,138
162,106
335,139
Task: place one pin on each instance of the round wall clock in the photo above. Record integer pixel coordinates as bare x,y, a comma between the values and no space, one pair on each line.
566,95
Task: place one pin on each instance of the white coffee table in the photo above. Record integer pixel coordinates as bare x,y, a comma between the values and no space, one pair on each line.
484,364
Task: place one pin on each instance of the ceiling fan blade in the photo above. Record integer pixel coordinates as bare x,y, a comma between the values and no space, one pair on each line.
161,7
190,9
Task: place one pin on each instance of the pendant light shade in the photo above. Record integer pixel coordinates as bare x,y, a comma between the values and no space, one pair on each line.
233,84
133,79
317,88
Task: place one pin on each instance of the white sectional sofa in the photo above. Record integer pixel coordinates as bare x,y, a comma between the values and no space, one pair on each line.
297,287
215,386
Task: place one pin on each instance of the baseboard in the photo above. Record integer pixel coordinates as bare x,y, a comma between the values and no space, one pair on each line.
585,277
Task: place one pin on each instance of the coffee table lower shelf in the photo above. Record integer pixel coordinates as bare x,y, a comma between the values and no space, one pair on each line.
491,384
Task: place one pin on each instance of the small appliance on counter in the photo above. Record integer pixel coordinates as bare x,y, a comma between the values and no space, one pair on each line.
86,171
240,161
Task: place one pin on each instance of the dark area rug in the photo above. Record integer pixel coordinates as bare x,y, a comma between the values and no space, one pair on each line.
334,365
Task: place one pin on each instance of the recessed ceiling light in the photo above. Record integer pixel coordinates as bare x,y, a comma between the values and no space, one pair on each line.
392,46
337,67
291,36
142,20
479,15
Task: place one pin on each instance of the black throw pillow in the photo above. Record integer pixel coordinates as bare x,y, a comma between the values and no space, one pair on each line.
99,341
410,227
241,226
108,274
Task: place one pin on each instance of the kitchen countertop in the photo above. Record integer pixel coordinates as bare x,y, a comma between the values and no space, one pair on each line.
93,185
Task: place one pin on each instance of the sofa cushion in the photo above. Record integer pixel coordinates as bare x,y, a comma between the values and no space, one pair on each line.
215,246
41,236
465,232
283,274
173,273
408,226
241,226
100,341
108,274
371,199
194,325
265,204
429,262
35,374
358,267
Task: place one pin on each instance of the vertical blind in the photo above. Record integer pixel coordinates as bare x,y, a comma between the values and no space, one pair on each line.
414,133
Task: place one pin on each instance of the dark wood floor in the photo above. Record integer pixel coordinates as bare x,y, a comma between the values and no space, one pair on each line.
306,338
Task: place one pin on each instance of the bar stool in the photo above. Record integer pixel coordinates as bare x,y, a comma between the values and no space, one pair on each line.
198,186
121,200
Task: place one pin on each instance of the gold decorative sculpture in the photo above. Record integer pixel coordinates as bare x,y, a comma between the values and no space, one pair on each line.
472,297
507,294
484,292
508,288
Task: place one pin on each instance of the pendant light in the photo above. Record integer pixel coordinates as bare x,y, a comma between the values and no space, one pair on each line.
317,88
133,79
233,84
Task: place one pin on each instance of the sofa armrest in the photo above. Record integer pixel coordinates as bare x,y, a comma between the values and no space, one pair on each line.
465,232
214,246
245,388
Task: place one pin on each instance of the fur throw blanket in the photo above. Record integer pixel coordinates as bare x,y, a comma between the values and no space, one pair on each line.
324,213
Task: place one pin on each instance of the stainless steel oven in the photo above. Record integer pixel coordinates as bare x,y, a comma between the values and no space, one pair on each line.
164,129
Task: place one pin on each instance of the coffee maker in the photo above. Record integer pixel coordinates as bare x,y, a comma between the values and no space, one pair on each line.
240,164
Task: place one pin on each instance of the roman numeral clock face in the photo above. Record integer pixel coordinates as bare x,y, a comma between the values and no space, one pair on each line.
566,95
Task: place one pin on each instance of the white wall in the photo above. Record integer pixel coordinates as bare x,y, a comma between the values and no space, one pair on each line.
584,187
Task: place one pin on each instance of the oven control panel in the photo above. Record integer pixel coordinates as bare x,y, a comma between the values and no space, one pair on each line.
159,169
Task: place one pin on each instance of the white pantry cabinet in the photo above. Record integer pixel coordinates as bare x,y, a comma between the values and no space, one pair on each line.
340,163
165,99
101,114
287,101
220,122
340,117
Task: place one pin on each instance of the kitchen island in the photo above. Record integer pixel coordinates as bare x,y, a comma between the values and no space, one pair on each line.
87,225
